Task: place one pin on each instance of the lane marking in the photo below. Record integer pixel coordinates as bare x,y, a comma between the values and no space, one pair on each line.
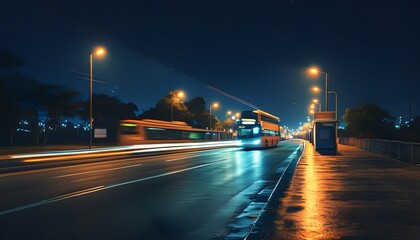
175,159
103,187
203,153
95,171
84,179
293,155
51,200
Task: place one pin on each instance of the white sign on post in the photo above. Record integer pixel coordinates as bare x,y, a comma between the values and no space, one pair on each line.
100,132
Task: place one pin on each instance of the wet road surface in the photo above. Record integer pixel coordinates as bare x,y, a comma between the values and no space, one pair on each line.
354,195
195,195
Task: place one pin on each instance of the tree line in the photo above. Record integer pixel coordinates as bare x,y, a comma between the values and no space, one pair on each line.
43,107
371,121
192,112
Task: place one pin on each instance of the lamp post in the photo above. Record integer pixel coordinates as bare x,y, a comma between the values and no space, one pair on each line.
179,94
228,113
215,105
336,104
314,70
99,52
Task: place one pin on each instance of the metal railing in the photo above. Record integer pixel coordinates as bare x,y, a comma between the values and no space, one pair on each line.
405,151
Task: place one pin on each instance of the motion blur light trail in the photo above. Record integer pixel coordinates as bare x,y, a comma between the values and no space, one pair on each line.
143,148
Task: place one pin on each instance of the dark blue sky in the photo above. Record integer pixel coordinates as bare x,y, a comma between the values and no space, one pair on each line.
256,50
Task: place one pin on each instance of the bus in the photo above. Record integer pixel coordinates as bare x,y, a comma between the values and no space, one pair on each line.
156,131
257,129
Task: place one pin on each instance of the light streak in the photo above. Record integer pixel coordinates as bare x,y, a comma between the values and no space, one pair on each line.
101,152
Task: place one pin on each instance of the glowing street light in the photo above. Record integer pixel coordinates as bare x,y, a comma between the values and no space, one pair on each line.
312,112
316,89
316,71
215,105
180,94
97,52
228,113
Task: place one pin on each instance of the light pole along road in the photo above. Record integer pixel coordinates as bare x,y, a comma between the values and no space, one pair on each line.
215,105
190,195
98,52
336,104
315,70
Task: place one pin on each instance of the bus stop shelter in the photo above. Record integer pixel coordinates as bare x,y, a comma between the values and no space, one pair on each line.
325,132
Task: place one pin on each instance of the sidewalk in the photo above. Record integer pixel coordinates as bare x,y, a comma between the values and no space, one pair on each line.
353,195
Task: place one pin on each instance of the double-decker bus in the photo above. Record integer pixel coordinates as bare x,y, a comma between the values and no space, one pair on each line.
257,128
156,131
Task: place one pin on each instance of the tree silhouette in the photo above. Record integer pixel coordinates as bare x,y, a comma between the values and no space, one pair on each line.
56,102
369,121
107,111
192,112
9,60
16,103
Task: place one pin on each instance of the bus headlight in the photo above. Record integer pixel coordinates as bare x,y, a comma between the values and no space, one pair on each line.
256,142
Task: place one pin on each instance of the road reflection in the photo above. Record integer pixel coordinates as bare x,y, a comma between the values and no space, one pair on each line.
305,211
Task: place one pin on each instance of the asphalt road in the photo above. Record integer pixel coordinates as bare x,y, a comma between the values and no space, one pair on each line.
192,195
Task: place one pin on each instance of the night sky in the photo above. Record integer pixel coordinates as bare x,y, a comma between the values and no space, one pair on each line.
258,51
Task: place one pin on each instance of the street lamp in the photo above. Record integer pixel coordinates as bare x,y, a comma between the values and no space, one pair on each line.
315,71
179,94
97,52
316,89
336,105
228,113
215,105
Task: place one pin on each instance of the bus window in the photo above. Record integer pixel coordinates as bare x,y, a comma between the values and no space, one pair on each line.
245,132
128,128
196,135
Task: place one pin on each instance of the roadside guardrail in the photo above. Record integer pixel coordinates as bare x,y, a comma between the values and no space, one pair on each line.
404,151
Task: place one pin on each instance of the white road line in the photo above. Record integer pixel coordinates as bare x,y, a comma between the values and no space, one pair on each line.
51,200
84,179
293,155
100,188
95,171
175,159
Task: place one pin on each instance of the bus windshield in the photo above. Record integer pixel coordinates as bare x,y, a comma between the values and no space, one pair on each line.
248,131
